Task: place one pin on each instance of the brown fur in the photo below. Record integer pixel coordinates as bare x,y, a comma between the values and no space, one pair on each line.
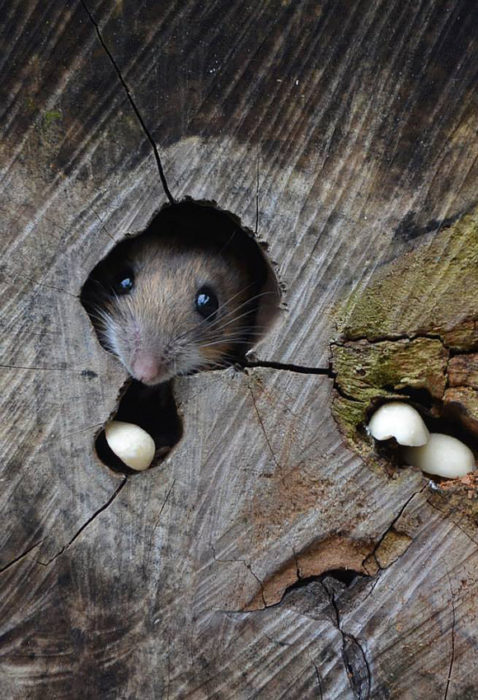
159,316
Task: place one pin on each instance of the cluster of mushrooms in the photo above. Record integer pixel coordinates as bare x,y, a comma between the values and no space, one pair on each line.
434,453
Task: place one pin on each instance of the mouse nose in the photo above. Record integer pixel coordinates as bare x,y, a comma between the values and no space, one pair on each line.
145,367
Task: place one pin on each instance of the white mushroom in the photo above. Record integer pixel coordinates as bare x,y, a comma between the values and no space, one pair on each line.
443,455
133,445
401,421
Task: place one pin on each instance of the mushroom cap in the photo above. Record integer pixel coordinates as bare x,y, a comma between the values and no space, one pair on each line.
400,421
133,445
443,455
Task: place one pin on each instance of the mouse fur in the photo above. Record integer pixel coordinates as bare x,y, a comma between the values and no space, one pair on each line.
155,328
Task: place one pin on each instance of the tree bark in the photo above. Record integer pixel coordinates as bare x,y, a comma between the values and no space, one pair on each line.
275,552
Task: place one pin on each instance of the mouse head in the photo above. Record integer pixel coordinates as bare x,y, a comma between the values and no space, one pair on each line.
173,309
182,297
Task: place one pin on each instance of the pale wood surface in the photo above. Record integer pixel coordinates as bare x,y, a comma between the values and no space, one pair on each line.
353,125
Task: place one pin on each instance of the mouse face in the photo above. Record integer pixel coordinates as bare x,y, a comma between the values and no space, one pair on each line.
169,309
193,291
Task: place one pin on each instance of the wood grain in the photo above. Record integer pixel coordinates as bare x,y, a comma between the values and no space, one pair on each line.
347,131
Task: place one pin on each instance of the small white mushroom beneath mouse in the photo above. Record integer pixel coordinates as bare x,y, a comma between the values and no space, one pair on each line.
435,453
400,421
131,444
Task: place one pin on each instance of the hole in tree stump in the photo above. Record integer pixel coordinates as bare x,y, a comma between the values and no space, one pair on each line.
438,416
194,291
154,410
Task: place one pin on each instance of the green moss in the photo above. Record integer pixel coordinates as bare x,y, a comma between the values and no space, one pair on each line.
365,370
51,116
368,372
431,290
396,335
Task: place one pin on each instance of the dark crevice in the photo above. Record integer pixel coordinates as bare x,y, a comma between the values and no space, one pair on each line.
347,577
132,103
353,654
395,520
360,685
344,577
464,351
20,556
319,681
453,625
152,408
249,568
343,394
300,369
88,522
419,396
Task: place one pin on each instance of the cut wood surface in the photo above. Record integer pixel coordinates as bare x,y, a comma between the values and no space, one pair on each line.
346,133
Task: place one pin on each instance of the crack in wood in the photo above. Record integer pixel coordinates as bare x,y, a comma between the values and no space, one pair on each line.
257,190
248,567
453,625
360,685
288,367
132,103
163,505
392,525
319,681
375,581
85,525
259,417
322,575
449,516
277,641
20,556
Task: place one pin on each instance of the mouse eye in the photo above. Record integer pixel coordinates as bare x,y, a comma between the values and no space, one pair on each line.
206,303
124,282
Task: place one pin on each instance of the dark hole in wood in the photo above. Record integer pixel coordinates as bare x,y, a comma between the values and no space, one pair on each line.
195,226
347,577
153,408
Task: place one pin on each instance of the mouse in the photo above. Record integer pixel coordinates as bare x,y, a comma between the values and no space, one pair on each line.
194,291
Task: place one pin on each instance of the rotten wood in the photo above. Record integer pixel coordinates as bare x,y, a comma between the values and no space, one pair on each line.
346,132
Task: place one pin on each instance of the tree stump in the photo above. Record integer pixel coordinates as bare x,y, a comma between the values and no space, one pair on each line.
275,552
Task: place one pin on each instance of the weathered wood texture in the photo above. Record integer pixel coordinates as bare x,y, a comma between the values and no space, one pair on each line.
352,127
